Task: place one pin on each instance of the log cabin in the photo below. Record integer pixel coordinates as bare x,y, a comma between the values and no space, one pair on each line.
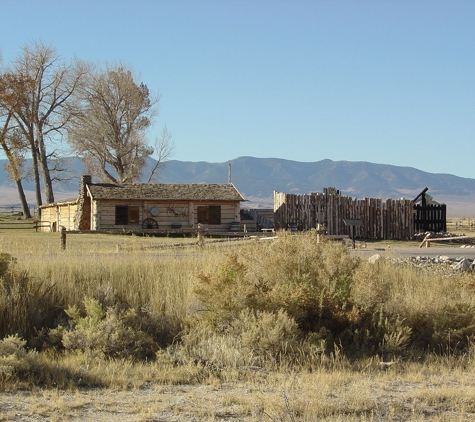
145,206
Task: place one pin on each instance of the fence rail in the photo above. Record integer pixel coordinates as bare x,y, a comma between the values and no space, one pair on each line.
381,219
461,224
24,225
15,210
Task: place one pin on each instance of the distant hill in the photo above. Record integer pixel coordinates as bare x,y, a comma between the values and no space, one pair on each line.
257,178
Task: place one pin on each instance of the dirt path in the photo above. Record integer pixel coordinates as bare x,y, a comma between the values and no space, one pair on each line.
384,396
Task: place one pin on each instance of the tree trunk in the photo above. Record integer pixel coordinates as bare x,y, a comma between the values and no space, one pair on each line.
22,197
15,174
36,175
47,182
45,172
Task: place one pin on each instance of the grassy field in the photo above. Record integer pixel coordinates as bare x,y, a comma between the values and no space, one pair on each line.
150,329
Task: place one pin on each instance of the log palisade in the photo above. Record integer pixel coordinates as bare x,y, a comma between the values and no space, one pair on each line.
381,219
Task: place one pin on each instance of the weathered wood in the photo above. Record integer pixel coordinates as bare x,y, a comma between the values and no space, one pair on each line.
428,239
389,219
58,215
63,238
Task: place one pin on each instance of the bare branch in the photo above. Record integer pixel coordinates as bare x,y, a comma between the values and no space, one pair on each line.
109,131
41,90
164,149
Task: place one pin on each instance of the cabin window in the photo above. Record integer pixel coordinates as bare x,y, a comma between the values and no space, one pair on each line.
126,215
210,214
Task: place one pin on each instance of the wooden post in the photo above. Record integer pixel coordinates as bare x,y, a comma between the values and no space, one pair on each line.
321,231
63,238
426,241
201,239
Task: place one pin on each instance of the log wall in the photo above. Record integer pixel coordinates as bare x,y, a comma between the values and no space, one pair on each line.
169,214
389,219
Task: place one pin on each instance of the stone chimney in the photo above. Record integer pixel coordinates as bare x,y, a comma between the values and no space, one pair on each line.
83,213
86,179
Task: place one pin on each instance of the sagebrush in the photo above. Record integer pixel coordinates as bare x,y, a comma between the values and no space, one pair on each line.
283,303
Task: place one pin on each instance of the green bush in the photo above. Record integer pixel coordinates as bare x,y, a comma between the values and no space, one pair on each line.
252,338
112,333
312,282
14,357
23,368
266,334
333,297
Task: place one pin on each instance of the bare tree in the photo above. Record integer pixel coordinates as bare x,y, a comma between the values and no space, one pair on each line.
13,146
12,142
164,148
109,133
41,88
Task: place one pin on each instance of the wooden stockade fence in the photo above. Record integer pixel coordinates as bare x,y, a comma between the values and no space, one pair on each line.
381,219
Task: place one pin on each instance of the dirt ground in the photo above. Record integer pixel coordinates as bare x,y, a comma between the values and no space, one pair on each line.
386,397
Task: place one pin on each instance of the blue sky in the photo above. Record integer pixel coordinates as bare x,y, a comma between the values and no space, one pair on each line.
389,82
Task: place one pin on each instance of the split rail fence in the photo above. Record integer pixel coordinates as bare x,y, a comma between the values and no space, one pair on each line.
381,219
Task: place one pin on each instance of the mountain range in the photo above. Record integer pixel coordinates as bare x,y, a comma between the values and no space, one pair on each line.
258,178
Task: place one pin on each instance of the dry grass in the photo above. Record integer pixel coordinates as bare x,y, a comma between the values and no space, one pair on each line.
461,225
222,382
368,393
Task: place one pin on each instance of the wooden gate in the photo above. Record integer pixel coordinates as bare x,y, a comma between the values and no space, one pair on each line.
431,218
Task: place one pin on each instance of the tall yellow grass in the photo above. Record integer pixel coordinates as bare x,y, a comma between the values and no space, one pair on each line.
255,363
